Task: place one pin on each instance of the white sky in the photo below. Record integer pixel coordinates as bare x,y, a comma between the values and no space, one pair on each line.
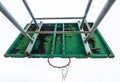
38,70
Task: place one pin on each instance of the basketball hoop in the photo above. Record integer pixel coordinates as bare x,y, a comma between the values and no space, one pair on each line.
59,66
64,68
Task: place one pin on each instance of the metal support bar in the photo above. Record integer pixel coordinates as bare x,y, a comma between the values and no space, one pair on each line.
87,8
88,26
63,39
58,32
104,11
86,45
86,12
31,44
30,12
26,29
50,18
54,38
13,21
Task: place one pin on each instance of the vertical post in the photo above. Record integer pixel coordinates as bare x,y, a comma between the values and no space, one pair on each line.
63,39
30,12
54,38
13,21
86,12
104,11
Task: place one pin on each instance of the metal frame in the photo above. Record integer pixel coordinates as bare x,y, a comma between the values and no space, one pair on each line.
50,18
54,38
63,39
86,45
58,32
107,6
31,44
26,29
85,38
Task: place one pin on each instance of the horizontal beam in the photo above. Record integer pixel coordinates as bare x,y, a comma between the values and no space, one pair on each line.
52,18
58,32
104,11
13,21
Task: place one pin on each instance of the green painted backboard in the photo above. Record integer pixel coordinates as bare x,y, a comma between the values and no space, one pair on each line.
60,45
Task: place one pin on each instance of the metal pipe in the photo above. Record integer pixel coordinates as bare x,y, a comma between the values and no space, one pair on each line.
13,20
63,39
54,38
104,11
88,26
50,18
87,8
30,12
58,32
86,12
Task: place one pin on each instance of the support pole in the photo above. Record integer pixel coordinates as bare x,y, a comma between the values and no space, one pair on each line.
63,39
13,21
88,26
86,12
54,38
104,11
30,12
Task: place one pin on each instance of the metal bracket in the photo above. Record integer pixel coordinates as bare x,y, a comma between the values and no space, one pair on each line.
86,45
28,26
31,44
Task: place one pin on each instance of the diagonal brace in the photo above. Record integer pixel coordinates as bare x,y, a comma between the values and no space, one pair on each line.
86,12
30,12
